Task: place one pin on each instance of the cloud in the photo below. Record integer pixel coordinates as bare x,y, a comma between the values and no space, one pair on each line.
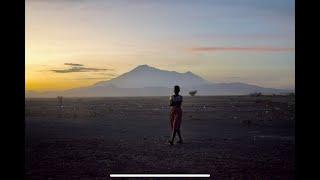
93,78
233,77
78,68
110,74
244,36
98,76
240,49
73,64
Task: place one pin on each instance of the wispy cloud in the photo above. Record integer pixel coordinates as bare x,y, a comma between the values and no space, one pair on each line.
241,49
78,68
94,78
243,36
73,64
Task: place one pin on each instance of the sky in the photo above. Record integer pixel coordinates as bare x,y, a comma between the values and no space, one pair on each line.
76,43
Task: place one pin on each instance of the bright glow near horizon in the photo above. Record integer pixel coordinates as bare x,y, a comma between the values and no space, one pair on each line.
78,43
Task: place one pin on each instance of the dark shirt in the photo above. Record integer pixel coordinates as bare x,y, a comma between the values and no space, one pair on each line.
175,100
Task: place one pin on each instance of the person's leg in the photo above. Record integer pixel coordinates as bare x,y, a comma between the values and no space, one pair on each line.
172,114
180,138
178,122
172,126
172,137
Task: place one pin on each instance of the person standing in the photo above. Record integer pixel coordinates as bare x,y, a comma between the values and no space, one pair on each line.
175,114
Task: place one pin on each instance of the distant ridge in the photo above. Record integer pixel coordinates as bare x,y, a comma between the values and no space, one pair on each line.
145,80
147,76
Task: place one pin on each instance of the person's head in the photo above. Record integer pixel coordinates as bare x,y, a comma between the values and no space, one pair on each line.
176,89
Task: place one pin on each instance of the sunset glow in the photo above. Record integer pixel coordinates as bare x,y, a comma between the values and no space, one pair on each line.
73,44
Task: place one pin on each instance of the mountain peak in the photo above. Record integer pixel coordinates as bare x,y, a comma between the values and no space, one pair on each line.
148,76
189,72
143,67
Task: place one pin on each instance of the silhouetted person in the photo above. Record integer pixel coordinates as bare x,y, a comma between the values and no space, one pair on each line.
175,114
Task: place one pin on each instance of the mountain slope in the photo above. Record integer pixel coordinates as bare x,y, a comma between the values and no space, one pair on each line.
146,76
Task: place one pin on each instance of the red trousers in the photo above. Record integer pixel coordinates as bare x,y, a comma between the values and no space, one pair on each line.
175,117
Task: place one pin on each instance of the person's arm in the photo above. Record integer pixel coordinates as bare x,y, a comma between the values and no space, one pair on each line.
170,101
179,102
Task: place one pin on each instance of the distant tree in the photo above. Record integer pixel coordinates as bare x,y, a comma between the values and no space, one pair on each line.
256,94
60,100
193,93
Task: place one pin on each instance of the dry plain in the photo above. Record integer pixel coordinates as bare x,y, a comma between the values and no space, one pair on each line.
230,137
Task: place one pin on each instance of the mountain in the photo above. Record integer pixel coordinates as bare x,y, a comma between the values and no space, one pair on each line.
145,80
146,76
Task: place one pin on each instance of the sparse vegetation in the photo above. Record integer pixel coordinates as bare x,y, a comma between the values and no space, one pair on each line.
256,94
292,94
60,98
193,93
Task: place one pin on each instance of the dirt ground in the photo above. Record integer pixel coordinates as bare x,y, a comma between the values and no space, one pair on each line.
229,137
